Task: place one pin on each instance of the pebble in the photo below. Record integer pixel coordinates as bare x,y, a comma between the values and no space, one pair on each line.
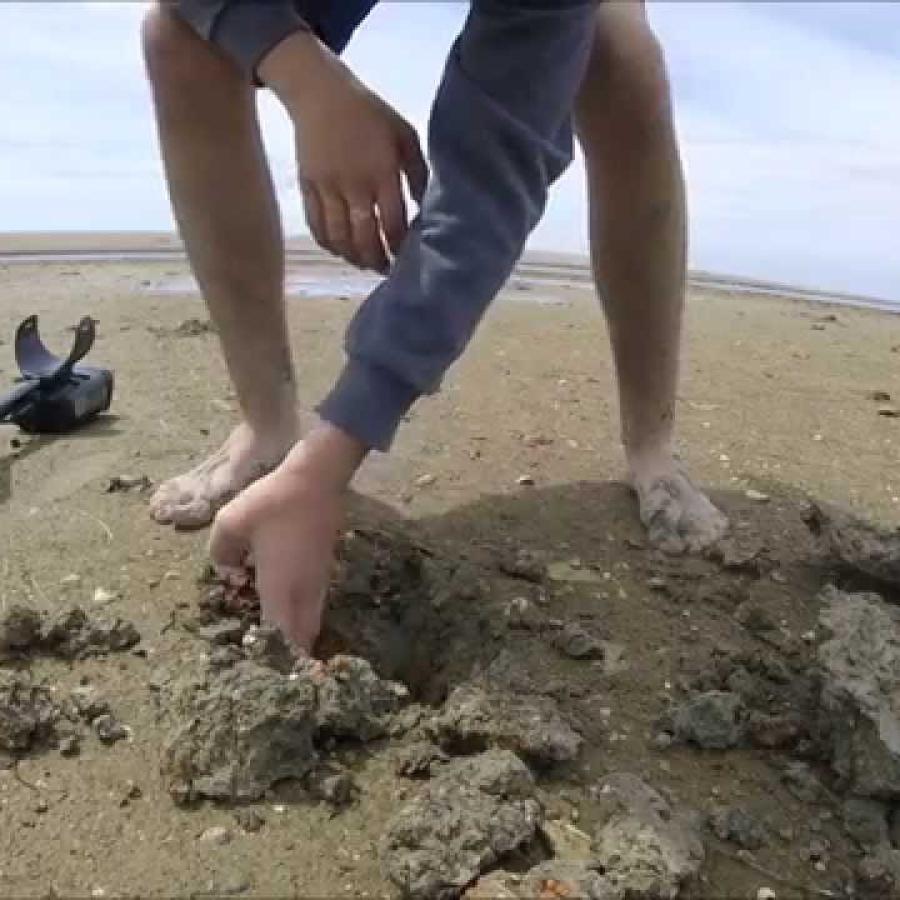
757,496
230,885
566,841
657,583
224,631
766,893
109,730
124,483
131,792
103,597
249,820
70,580
216,834
69,746
89,702
525,481
425,480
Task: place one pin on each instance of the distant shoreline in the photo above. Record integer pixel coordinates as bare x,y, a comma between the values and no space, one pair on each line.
535,267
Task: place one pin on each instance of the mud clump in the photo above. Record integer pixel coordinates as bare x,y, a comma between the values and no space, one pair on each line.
242,730
20,630
461,823
28,715
861,691
711,720
646,848
240,735
735,825
34,718
353,702
642,849
475,718
416,760
67,634
551,880
856,544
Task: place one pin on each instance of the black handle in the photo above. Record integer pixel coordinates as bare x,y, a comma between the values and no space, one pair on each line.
36,361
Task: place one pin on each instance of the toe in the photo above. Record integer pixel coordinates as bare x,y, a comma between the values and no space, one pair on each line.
679,518
197,513
703,524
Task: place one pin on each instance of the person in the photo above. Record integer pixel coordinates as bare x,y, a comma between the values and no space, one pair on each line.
522,77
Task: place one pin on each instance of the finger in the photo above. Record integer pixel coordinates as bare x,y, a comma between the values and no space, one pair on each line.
392,213
337,224
367,241
292,601
315,215
414,166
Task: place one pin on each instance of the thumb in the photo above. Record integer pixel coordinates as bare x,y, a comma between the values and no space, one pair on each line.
228,546
413,163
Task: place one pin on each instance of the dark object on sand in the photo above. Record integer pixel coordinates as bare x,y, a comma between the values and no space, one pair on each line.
55,395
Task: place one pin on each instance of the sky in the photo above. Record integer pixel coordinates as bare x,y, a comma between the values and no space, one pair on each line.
788,114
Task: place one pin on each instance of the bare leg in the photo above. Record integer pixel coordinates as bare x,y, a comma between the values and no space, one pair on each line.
223,199
638,249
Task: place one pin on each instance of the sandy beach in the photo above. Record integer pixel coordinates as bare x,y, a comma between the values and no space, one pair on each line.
783,397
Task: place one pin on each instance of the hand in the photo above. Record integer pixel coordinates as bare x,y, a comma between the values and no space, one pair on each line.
352,151
287,525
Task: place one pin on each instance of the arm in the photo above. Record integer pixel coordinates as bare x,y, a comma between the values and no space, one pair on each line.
500,134
353,200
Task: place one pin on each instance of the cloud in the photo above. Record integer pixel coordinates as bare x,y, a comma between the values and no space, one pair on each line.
787,113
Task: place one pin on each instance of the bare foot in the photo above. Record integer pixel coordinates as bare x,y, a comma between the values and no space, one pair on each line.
286,526
191,500
678,516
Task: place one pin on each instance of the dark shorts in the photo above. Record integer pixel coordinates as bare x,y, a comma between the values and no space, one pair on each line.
334,21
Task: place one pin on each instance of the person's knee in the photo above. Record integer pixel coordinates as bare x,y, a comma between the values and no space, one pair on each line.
168,49
627,82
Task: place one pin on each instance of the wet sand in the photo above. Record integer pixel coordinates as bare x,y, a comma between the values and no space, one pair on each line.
777,396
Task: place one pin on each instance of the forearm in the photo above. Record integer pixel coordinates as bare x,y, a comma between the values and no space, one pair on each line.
500,134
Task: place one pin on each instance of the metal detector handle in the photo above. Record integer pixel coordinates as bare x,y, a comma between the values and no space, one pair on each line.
36,361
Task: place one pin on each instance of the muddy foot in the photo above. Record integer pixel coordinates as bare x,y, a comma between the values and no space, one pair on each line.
192,500
679,517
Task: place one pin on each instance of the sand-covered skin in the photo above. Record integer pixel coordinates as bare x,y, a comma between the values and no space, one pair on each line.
534,396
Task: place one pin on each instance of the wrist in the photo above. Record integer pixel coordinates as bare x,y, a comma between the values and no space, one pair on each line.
326,459
295,68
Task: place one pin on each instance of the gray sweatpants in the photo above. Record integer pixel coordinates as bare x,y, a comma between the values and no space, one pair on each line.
500,134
